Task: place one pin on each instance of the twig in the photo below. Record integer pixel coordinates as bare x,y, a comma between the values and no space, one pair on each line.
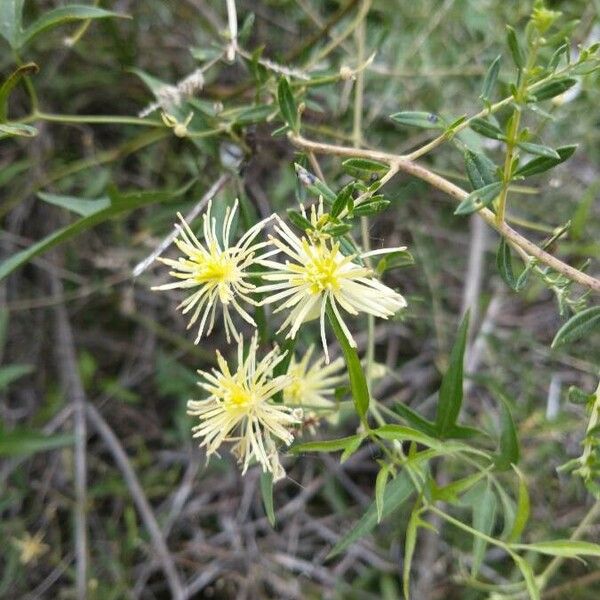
211,193
143,506
524,246
73,388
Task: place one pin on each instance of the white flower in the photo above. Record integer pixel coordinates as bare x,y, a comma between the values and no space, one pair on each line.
239,409
217,269
313,385
318,274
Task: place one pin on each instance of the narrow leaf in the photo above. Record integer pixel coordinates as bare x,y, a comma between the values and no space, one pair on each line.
504,264
11,17
530,583
380,484
552,89
358,383
326,445
522,512
415,419
543,163
484,514
564,548
479,199
412,118
509,441
539,150
82,206
515,48
266,491
481,171
120,203
22,442
580,325
402,433
396,493
364,168
287,104
18,129
451,390
409,549
489,81
12,80
62,15
485,128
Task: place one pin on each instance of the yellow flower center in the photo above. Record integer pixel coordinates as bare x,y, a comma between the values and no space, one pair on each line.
294,391
321,273
238,397
220,269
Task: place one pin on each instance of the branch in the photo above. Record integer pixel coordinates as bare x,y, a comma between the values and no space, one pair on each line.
397,162
143,506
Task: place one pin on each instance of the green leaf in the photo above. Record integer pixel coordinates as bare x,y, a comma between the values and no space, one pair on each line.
370,207
564,548
19,129
327,445
551,89
515,48
543,163
484,515
528,575
522,512
479,199
538,150
120,204
396,493
412,118
11,373
509,441
358,383
578,396
481,171
266,492
152,83
485,128
504,264
402,433
342,199
451,390
298,220
450,492
380,484
22,442
555,58
287,105
409,549
580,325
62,15
11,17
12,80
364,168
415,419
489,81
82,206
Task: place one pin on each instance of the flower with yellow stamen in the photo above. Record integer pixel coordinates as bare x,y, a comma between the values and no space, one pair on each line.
313,384
216,271
240,409
318,274
31,547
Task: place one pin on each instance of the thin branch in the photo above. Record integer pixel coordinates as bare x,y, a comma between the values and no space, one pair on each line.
143,506
211,193
525,247
74,391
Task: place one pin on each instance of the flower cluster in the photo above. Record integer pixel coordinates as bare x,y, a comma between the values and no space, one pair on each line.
302,276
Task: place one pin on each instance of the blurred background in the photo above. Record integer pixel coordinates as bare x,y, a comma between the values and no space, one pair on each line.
77,327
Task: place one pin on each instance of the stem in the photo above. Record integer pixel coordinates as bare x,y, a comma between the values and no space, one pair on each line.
116,119
358,382
524,246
